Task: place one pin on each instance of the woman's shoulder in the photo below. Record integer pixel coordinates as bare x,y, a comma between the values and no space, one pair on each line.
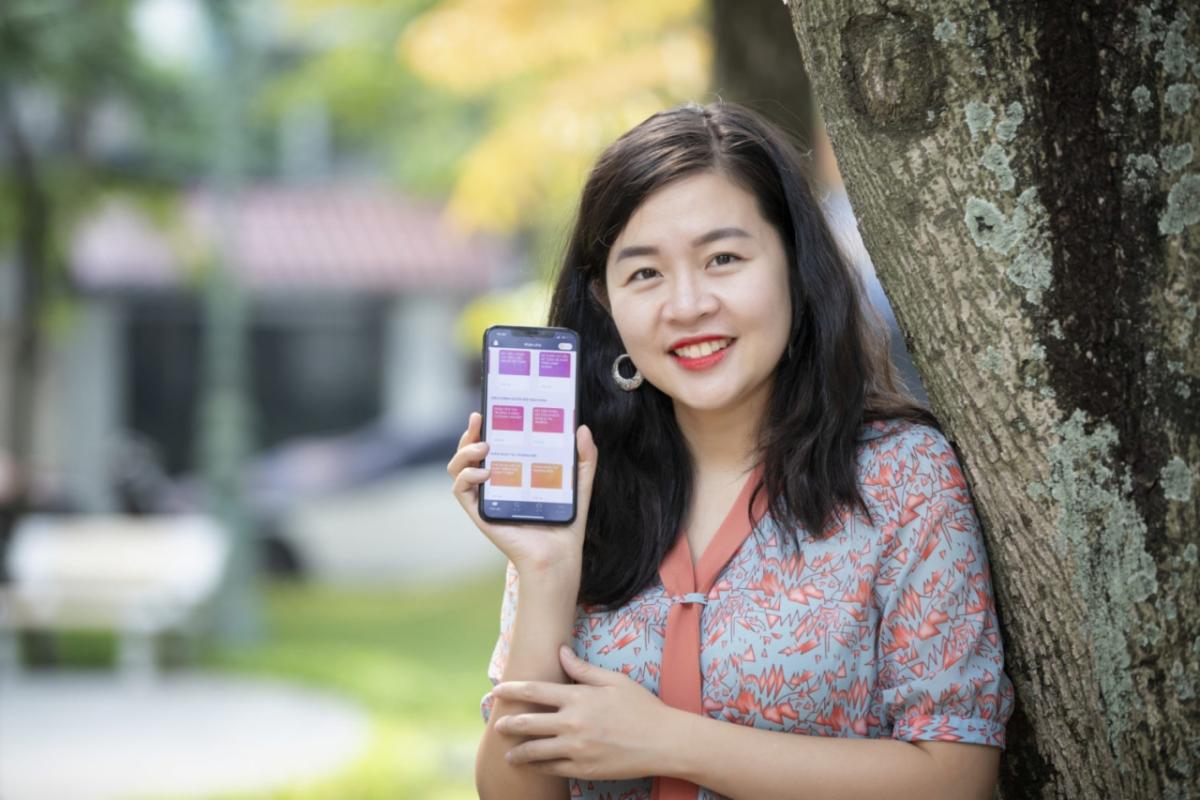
900,450
896,430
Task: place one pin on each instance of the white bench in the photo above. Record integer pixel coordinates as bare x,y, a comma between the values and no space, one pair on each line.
137,577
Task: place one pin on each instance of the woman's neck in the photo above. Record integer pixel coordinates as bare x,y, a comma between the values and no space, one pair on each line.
722,442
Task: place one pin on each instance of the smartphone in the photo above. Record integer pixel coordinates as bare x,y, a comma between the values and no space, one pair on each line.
530,380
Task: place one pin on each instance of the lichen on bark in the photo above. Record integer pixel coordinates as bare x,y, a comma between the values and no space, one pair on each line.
1020,238
1183,205
1100,527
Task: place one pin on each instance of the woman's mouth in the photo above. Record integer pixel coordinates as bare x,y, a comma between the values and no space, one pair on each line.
703,355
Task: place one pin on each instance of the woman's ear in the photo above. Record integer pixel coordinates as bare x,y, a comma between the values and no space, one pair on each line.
599,293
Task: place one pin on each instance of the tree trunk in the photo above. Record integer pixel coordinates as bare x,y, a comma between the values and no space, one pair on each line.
1026,180
755,63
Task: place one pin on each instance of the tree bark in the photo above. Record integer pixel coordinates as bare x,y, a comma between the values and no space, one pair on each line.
1027,185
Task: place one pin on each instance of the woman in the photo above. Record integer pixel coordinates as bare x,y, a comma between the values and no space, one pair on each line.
780,538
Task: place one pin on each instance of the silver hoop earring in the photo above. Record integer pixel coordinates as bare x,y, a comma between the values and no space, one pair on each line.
628,384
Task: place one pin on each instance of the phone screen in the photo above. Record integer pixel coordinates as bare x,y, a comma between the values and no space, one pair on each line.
530,396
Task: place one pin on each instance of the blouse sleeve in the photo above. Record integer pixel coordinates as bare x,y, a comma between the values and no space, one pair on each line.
940,654
508,610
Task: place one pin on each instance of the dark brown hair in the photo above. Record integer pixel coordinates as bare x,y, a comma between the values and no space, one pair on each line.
838,377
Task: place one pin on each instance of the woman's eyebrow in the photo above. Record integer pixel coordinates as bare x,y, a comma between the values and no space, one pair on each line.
711,236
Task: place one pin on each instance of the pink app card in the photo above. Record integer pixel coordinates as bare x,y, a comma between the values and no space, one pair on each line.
508,418
554,365
514,362
547,420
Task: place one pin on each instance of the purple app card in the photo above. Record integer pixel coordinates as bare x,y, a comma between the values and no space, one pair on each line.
547,420
514,362
554,365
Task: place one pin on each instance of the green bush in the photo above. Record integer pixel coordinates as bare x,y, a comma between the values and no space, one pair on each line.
415,658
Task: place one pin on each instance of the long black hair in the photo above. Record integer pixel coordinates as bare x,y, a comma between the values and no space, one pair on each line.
836,376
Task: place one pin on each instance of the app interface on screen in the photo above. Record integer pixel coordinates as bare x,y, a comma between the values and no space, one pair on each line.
530,419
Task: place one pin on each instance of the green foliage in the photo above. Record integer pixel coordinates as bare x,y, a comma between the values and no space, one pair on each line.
80,48
416,658
342,60
64,63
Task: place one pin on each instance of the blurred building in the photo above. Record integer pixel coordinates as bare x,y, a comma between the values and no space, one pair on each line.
354,291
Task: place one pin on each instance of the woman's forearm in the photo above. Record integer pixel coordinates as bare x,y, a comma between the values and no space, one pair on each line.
545,615
744,762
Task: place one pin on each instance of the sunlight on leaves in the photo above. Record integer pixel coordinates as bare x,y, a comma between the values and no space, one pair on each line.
562,80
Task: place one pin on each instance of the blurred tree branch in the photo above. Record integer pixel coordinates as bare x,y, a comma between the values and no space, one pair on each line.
32,233
60,61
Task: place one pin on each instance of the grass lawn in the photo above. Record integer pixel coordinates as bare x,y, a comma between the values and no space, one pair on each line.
415,658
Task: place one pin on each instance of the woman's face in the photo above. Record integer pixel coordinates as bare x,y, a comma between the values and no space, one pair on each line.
698,260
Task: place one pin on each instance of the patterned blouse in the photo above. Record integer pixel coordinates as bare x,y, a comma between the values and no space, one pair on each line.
879,630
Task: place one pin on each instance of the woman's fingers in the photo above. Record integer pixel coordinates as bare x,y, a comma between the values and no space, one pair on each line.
467,454
466,489
470,477
467,478
535,750
588,457
532,724
471,434
470,448
466,492
542,693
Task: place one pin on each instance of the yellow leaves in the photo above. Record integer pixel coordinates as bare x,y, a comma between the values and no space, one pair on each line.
565,78
528,304
470,46
554,81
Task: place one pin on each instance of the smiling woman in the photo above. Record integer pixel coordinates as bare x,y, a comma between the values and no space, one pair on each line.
680,280
772,539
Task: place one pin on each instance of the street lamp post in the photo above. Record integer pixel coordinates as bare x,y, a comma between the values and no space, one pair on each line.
225,418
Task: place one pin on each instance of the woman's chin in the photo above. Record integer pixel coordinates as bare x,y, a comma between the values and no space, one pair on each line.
700,405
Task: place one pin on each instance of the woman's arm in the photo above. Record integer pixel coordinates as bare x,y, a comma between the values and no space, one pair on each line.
606,729
544,619
744,762
547,561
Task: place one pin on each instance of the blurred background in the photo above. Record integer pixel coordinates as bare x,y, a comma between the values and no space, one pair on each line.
248,249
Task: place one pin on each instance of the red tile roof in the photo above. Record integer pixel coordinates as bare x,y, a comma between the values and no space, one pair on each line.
343,236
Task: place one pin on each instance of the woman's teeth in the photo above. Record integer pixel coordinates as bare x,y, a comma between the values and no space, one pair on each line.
702,349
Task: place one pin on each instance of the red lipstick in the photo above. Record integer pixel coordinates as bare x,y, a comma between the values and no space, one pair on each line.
703,362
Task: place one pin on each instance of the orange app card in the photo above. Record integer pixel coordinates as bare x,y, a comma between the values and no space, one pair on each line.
546,476
505,473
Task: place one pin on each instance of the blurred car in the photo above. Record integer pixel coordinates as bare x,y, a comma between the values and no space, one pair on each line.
278,479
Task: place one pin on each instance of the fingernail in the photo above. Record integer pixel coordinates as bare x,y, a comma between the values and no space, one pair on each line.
566,651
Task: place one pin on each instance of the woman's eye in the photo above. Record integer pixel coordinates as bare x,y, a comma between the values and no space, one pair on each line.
730,256
634,276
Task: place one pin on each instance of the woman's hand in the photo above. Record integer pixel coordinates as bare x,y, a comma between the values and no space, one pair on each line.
607,726
541,549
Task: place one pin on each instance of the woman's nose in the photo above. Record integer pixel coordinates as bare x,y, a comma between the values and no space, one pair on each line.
690,298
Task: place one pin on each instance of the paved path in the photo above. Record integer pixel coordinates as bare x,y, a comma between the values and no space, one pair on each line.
70,735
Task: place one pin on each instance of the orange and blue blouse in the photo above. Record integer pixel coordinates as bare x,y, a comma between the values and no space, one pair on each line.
884,627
